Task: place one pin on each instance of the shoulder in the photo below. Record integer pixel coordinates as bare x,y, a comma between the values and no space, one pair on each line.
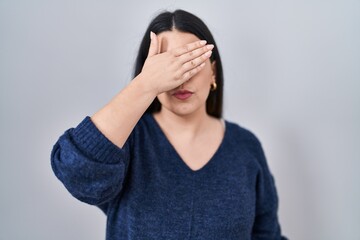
242,134
242,140
146,122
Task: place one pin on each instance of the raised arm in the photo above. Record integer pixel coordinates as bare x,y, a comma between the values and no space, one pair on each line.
92,159
161,72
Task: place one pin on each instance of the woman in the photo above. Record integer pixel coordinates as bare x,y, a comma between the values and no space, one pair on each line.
159,160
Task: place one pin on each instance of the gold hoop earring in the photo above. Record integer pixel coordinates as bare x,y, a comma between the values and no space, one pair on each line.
213,86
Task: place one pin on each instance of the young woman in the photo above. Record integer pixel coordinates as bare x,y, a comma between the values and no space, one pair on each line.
159,160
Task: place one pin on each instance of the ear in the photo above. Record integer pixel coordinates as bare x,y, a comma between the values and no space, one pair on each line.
213,68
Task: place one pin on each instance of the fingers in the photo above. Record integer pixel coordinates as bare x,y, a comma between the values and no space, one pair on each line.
193,63
188,47
195,53
187,75
192,67
154,45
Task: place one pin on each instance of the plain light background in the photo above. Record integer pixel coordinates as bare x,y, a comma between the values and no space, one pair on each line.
292,76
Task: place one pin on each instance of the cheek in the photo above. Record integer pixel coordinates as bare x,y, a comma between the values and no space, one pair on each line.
204,77
162,97
207,70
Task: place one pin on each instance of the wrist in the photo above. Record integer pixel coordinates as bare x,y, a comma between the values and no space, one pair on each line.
142,83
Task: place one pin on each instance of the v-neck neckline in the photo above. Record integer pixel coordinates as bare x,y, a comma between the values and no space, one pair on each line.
179,159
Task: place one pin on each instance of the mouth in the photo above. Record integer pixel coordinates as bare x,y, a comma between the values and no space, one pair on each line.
182,94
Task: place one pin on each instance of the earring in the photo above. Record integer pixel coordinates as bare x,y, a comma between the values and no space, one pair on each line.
213,86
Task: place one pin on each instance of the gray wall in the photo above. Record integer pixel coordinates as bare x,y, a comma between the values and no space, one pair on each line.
291,76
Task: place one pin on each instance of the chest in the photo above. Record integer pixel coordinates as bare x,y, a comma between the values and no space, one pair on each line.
217,202
218,205
196,154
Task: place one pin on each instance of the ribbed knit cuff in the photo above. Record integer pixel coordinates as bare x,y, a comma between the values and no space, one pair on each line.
94,143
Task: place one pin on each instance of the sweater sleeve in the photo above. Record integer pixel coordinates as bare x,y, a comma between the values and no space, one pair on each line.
266,225
89,165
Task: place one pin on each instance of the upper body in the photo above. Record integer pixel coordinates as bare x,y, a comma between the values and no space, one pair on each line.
171,171
148,192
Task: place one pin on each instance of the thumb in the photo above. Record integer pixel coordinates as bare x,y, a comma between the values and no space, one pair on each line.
154,45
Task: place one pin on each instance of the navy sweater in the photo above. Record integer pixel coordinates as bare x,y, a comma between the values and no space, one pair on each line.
148,192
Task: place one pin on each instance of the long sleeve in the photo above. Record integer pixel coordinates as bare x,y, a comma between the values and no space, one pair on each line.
266,225
89,165
232,197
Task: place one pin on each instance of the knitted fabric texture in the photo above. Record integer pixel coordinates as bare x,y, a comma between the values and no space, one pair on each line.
148,192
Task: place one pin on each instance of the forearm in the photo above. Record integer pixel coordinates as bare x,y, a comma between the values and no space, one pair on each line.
161,72
117,118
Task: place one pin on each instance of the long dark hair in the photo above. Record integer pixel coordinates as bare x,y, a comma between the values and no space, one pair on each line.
185,22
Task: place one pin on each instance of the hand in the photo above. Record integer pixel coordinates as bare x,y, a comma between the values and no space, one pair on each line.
165,71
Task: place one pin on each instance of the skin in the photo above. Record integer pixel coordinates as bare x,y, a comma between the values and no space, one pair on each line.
199,84
195,134
175,61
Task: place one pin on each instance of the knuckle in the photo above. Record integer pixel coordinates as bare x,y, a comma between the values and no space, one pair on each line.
174,61
183,68
185,77
190,73
172,52
177,76
178,64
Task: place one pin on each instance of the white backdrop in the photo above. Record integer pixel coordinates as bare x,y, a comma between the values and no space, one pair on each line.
292,76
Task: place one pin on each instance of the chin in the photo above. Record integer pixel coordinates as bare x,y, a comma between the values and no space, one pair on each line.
181,111
184,110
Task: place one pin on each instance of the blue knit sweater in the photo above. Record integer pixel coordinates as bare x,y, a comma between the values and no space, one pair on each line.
148,192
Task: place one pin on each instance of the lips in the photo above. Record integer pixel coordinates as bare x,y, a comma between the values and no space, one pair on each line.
182,94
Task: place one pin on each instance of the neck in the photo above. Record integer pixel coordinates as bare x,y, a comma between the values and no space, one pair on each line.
191,124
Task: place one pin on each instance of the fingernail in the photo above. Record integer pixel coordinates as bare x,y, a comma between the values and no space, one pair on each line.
151,35
210,46
203,42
